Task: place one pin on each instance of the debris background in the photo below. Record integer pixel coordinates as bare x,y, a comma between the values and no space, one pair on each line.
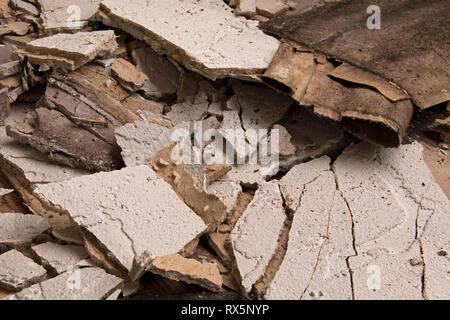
92,207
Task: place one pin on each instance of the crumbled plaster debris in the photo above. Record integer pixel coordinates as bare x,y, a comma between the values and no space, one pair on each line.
128,76
92,284
75,49
224,45
320,240
18,272
187,111
133,211
255,235
399,217
57,13
59,258
140,141
17,229
176,267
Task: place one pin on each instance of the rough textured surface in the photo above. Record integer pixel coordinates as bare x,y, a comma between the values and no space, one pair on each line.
56,14
93,284
400,221
320,240
255,235
131,211
292,185
18,272
223,45
176,267
17,228
58,257
82,45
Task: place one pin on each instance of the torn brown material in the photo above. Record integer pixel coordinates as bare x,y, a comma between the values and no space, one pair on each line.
176,267
51,132
127,74
410,49
360,110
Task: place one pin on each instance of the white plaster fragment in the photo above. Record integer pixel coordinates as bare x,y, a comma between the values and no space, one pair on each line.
17,228
60,257
256,233
131,211
18,271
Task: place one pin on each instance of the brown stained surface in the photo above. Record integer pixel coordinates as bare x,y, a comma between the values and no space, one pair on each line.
12,202
411,48
439,164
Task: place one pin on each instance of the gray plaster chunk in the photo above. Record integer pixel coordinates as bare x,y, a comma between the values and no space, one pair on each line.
25,7
217,47
82,45
187,111
396,202
293,183
34,164
57,13
59,257
258,105
226,191
163,76
78,284
17,228
380,275
18,272
141,140
320,240
131,211
255,236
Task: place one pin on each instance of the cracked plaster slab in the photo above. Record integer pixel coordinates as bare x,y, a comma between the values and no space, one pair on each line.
319,242
217,47
17,228
398,211
130,212
256,233
18,272
92,284
59,258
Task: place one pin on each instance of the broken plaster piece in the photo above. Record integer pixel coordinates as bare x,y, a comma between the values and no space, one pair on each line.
320,240
59,258
256,233
224,45
92,284
178,268
132,211
58,15
18,272
17,228
77,49
396,215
